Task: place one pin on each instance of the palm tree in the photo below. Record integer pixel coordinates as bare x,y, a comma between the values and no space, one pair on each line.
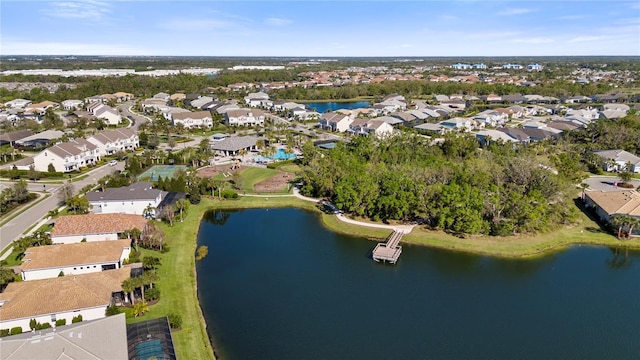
181,205
127,288
140,308
149,211
584,186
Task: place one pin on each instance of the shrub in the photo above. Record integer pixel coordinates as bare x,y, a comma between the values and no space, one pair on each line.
33,324
229,194
61,273
76,319
152,294
61,322
4,332
175,321
43,326
112,310
194,198
16,330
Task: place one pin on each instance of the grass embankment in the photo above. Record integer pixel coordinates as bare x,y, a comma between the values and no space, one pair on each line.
587,231
177,274
177,282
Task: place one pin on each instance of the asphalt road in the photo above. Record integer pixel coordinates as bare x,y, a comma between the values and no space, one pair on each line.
137,119
606,183
18,225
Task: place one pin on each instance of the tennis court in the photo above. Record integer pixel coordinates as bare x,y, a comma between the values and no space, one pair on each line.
166,171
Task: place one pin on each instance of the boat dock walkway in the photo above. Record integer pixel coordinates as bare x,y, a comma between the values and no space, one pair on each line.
389,251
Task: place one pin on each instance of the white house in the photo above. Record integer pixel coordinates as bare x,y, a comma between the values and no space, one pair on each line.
609,203
363,127
258,99
94,227
18,103
193,119
491,118
335,121
458,124
63,297
133,199
535,67
460,66
68,156
619,160
244,117
47,262
513,66
72,104
201,101
111,141
109,114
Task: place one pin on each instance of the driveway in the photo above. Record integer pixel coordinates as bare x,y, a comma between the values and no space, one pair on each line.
606,183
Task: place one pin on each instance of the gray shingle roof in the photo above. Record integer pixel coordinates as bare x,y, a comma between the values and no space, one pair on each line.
137,191
234,143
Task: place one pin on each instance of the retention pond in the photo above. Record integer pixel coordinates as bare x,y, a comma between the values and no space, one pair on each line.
276,284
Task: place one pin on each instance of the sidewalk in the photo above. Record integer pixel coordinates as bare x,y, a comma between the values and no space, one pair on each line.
405,229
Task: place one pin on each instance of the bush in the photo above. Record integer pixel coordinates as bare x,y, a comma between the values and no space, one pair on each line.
175,321
112,310
33,324
194,198
229,194
76,319
4,332
16,330
61,322
152,294
44,326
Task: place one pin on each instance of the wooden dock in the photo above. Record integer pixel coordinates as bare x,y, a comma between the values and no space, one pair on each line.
389,251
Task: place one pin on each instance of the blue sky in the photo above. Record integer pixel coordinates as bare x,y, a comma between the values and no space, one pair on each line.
320,28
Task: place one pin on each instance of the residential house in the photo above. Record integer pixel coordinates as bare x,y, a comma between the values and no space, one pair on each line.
162,96
106,112
72,104
459,124
169,111
492,98
200,102
610,98
68,156
393,120
519,135
258,99
111,141
153,104
10,138
40,140
335,121
232,145
18,103
363,127
432,128
577,99
460,66
512,66
486,137
94,227
64,297
304,114
123,96
619,160
96,98
136,199
104,338
42,107
491,118
244,117
609,203
513,99
189,120
50,261
535,67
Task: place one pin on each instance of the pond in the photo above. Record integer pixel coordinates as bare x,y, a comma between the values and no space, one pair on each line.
278,285
333,106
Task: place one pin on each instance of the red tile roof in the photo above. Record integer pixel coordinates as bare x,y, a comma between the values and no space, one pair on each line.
97,224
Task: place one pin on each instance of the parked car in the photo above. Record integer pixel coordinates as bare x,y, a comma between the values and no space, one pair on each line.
113,163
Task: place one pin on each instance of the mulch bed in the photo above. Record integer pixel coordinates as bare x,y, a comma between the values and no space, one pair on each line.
211,171
274,183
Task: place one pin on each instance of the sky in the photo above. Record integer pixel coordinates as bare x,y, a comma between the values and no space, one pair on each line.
320,28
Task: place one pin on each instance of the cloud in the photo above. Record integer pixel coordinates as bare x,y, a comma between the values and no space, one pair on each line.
197,25
69,48
519,11
536,40
277,21
586,38
79,10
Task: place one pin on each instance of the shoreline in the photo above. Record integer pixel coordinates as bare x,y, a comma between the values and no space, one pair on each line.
514,248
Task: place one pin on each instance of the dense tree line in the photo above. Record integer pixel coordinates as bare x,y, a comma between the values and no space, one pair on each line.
454,186
13,196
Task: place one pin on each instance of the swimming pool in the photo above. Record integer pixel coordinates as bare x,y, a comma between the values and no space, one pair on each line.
279,156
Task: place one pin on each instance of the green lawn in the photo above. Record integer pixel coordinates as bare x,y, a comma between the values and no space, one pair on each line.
253,175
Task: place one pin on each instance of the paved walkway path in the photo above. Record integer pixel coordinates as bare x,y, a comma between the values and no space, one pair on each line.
405,229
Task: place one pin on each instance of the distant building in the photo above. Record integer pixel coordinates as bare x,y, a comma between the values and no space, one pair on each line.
512,66
535,67
460,66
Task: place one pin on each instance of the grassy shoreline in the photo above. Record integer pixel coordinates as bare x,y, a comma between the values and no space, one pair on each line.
178,278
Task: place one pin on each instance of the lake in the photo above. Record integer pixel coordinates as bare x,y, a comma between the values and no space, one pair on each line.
332,106
276,284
